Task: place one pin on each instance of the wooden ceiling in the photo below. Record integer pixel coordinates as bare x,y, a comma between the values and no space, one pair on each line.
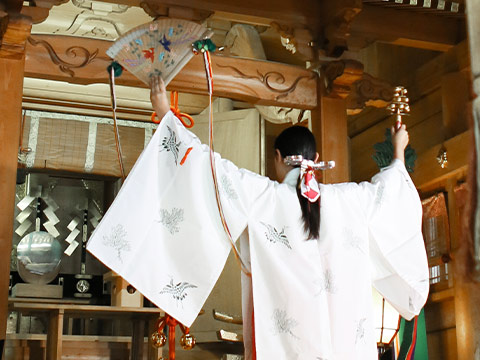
307,33
329,27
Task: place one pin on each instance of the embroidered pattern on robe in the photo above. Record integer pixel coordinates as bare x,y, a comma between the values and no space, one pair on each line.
177,291
117,240
282,324
326,283
228,188
170,144
360,334
379,195
352,240
172,219
275,236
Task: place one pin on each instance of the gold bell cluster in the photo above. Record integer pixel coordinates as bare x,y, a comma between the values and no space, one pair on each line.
400,102
399,105
159,339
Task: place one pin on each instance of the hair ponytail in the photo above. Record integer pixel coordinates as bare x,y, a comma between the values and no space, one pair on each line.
310,214
298,140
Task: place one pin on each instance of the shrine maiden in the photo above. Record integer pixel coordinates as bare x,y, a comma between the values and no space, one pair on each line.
312,270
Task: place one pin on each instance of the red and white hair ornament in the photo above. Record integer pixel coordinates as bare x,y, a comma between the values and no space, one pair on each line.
308,186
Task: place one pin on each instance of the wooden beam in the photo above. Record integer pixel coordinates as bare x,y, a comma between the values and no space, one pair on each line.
132,103
253,81
406,28
428,77
456,97
260,12
429,175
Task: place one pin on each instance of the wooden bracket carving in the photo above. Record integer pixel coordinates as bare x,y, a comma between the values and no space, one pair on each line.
296,40
83,54
339,76
338,16
370,91
156,9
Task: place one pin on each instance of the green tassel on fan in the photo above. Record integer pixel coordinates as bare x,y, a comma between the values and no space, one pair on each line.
117,68
204,45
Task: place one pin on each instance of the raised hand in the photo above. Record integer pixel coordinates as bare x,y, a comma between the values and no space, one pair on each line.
158,96
400,141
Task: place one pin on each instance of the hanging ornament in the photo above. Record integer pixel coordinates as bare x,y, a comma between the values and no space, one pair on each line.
158,339
187,341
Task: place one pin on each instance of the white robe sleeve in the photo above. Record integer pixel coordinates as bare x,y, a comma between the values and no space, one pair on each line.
163,232
397,250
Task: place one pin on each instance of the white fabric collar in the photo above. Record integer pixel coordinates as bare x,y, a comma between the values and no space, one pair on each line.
292,177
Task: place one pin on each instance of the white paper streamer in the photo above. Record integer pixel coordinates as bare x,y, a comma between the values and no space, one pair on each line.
51,229
24,215
52,218
32,138
51,203
94,222
73,224
26,201
23,227
92,140
71,237
71,248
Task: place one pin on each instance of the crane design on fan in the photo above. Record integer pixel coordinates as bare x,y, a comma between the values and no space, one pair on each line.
162,47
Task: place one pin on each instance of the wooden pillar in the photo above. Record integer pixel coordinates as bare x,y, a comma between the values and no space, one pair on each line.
12,62
55,334
467,292
138,331
329,125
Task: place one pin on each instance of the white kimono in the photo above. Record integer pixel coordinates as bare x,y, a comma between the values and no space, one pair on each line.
312,299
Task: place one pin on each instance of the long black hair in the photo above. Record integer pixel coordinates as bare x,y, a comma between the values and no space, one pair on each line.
298,140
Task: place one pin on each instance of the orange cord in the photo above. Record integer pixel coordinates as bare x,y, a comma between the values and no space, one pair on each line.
171,323
176,112
185,156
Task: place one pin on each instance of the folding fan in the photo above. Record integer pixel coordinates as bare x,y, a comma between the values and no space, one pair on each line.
161,47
